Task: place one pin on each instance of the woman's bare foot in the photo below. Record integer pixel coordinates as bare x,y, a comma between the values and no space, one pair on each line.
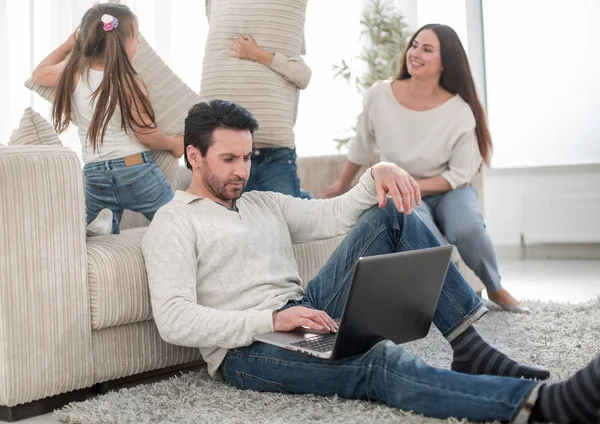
504,299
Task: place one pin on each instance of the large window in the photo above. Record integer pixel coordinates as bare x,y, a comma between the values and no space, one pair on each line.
543,88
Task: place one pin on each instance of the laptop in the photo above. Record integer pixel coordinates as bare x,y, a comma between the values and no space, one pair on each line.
391,296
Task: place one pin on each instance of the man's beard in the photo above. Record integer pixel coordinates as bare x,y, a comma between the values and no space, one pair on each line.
219,188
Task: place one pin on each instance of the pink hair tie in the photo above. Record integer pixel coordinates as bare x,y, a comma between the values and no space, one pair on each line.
109,22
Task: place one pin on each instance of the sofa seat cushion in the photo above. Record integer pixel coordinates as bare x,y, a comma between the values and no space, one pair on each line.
311,257
117,279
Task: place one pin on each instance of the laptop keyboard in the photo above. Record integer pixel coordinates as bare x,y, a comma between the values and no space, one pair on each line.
320,343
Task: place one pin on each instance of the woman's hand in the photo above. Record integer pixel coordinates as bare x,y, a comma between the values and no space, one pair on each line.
244,47
395,181
333,190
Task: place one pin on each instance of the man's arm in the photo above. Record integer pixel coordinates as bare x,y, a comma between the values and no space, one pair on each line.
293,69
310,220
169,249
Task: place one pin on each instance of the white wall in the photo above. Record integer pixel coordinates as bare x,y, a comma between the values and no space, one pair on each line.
558,204
542,81
328,107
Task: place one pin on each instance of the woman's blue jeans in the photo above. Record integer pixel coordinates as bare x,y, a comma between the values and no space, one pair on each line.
387,372
456,215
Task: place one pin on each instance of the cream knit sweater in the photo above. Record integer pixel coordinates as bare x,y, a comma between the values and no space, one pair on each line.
440,141
215,275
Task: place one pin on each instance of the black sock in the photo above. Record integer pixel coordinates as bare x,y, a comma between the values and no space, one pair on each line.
473,355
574,400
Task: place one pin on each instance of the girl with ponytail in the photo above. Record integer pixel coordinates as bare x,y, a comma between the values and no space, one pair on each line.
96,82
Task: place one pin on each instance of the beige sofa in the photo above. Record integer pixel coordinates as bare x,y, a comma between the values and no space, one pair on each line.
75,312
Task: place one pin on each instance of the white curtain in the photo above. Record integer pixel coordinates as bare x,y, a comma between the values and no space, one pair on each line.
4,73
177,29
14,42
30,30
328,108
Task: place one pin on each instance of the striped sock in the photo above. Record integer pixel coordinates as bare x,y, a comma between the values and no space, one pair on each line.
574,400
473,355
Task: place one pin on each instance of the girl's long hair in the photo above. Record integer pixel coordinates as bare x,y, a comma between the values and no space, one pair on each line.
119,87
457,79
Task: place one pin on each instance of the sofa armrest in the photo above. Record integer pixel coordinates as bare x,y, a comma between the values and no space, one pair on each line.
45,330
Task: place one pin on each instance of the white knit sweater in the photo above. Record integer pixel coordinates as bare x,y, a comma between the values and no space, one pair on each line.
439,141
216,275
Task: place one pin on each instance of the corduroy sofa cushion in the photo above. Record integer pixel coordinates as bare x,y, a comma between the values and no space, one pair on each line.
34,130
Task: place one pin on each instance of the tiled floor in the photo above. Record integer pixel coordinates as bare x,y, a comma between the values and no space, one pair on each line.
558,281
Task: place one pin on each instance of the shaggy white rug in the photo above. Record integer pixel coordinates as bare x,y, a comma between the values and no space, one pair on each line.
556,336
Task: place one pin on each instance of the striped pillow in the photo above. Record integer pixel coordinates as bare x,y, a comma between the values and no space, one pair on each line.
277,26
34,130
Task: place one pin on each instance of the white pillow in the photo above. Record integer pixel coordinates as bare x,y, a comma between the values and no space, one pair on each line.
271,99
34,130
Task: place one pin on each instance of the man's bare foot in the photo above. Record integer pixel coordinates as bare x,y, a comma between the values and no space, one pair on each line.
504,299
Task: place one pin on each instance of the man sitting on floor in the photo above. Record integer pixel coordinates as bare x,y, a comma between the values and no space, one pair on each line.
221,270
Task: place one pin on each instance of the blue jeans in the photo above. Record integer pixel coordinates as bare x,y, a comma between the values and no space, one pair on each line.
113,185
387,372
456,214
275,169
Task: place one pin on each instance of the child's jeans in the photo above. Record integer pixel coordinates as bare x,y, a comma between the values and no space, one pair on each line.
114,185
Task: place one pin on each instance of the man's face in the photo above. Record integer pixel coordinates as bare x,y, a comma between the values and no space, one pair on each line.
226,167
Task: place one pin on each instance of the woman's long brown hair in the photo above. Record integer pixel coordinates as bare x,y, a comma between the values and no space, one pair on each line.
457,79
119,87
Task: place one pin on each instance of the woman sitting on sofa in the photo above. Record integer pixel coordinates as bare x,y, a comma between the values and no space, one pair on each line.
429,121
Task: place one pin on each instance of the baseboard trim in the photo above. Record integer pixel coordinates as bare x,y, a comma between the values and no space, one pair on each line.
44,406
147,377
39,407
576,251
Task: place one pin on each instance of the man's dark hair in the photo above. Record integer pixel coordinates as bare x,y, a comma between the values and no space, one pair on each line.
204,118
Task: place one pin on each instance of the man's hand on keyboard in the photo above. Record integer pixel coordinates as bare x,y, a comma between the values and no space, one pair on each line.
299,316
